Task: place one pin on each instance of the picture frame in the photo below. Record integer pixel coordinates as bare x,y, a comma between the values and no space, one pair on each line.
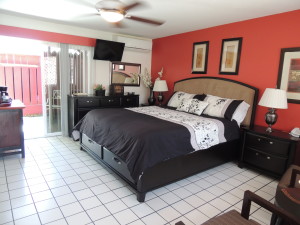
230,56
289,73
121,67
200,57
116,89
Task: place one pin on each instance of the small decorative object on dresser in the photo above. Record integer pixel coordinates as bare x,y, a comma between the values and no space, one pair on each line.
116,90
274,99
271,153
99,90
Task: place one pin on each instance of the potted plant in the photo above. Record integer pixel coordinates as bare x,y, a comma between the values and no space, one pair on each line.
99,90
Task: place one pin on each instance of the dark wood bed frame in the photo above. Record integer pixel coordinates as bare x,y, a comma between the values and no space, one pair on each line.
181,167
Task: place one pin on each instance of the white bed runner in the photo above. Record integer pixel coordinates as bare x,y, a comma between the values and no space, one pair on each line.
205,132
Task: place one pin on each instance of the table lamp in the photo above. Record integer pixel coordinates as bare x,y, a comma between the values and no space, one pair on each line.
160,86
273,99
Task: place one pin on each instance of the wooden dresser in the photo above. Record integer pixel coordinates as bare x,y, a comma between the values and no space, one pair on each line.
11,129
78,106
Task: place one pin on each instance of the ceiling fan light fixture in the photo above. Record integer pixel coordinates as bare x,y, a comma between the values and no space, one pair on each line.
112,16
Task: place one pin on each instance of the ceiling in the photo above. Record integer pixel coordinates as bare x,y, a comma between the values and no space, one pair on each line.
179,15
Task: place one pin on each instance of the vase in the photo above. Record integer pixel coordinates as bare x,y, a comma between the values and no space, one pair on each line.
151,99
100,92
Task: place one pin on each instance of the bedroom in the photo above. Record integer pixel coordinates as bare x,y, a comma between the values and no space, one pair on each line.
262,40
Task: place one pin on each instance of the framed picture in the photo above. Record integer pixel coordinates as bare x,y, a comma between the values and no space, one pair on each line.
200,55
289,73
230,56
121,67
116,89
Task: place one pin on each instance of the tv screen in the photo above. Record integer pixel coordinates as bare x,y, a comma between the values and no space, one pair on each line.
108,50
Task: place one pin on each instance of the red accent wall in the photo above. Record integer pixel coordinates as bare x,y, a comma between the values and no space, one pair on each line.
263,39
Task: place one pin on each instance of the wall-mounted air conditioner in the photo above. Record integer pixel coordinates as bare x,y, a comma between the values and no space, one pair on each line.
135,44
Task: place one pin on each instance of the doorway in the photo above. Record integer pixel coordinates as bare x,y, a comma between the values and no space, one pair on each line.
31,74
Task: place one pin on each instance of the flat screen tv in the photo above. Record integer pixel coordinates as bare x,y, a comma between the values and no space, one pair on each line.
108,50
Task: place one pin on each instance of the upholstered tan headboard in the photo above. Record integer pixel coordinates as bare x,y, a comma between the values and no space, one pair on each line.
224,88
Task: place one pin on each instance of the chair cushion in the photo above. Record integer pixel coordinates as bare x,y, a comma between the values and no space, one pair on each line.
230,218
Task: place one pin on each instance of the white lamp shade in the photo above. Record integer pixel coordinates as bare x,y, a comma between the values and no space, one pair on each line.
274,98
160,86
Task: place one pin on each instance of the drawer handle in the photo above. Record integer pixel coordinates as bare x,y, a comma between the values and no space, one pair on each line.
268,157
116,160
89,140
258,139
110,100
271,142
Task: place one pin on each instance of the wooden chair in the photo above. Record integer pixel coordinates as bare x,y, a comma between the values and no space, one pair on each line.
234,218
288,193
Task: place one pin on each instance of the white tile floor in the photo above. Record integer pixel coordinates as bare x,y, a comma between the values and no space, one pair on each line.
57,183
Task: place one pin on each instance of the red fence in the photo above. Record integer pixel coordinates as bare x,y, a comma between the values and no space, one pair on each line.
22,75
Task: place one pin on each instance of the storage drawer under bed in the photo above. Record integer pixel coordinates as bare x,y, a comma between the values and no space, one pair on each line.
91,145
116,163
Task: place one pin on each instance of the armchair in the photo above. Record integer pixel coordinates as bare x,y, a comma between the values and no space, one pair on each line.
234,218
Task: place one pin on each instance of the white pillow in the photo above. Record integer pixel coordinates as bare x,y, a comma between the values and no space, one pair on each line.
240,112
184,105
197,107
177,97
230,109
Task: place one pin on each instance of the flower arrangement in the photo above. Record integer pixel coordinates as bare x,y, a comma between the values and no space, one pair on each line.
99,87
146,77
135,77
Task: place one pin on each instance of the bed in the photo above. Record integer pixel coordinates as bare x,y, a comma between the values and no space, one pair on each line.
145,171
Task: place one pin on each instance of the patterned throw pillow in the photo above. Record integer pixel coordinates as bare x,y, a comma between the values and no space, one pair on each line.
197,107
226,108
185,105
177,97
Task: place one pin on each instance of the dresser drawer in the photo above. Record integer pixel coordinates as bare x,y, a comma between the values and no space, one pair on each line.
112,101
116,163
268,145
88,102
91,145
130,101
274,164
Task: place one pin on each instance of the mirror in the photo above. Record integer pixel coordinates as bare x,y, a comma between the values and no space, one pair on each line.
126,74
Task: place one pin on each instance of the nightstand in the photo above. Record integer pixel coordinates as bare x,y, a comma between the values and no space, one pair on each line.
270,153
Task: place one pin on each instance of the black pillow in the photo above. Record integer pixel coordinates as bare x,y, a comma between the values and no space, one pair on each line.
200,97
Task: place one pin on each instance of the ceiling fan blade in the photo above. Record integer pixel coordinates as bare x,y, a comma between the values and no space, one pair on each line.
128,7
153,22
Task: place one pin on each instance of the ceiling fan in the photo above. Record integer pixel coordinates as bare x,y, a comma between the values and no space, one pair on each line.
114,11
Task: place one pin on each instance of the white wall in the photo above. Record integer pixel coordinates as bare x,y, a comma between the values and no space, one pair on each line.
103,71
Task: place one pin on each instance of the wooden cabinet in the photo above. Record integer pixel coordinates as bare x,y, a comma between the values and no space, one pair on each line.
11,129
78,106
271,153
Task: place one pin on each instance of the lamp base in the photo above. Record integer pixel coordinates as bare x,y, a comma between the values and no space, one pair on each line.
271,118
160,98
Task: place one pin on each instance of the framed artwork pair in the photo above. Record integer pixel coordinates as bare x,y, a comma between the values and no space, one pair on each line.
229,60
